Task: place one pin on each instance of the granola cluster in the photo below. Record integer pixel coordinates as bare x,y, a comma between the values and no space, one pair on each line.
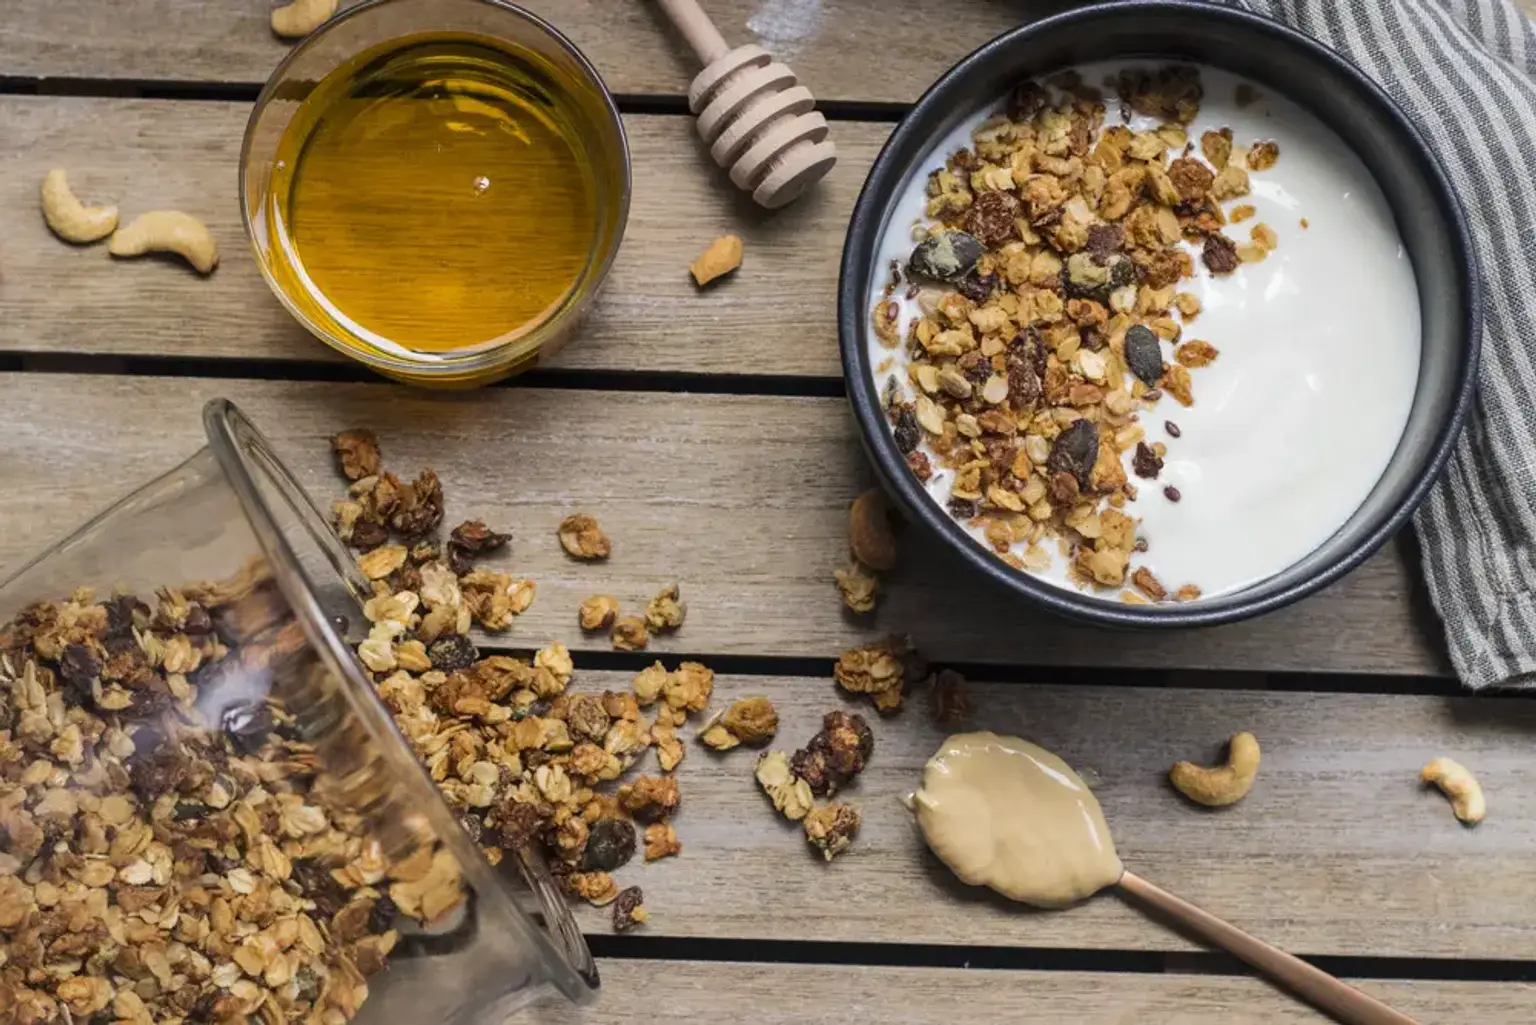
830,761
160,868
1047,286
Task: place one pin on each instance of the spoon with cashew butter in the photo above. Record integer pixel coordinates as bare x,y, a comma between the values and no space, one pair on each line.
1006,814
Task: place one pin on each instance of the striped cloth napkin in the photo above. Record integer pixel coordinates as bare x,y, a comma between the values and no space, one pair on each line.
1465,71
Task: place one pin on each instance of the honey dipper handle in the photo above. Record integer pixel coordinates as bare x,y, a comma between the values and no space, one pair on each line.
1328,994
705,40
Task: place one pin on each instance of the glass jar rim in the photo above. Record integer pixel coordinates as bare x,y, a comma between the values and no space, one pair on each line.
245,455
502,357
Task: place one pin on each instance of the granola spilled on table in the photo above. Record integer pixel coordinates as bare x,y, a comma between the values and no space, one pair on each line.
831,760
519,756
160,868
1046,286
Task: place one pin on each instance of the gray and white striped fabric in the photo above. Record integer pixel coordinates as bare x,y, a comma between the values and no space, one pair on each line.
1465,71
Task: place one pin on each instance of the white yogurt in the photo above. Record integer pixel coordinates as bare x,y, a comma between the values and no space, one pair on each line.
1319,344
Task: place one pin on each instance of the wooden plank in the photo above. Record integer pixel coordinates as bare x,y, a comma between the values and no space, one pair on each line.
740,498
832,44
1337,850
786,994
149,154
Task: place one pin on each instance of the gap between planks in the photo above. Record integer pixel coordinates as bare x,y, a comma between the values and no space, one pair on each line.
641,946
768,994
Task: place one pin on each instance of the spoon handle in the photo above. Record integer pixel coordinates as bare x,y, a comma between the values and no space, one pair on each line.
1343,1002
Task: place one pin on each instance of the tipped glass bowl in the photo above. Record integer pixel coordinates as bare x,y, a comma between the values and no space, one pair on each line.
200,777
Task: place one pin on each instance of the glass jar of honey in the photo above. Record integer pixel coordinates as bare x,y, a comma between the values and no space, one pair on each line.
436,187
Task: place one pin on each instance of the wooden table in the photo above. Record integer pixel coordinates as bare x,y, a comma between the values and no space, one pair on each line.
710,433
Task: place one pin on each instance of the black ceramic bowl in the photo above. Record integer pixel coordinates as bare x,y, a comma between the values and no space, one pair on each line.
1429,220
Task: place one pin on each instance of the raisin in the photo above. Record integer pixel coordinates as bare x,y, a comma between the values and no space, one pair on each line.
1146,463
198,623
1104,239
1172,429
610,844
455,652
1220,254
367,535
962,508
474,536
158,772
627,910
516,824
945,256
459,560
976,367
1144,354
1027,100
904,424
121,613
1172,493
383,915
836,754
314,877
991,218
977,287
79,668
921,468
1075,451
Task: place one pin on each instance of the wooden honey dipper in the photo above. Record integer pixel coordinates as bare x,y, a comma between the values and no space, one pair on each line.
759,125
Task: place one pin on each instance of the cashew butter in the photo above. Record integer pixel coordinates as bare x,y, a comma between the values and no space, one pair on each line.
1004,813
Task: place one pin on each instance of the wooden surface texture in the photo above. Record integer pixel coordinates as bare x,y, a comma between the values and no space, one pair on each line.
153,154
831,44
706,433
742,499
1337,850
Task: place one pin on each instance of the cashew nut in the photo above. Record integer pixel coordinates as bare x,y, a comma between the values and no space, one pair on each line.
168,231
301,17
71,219
1460,786
1224,784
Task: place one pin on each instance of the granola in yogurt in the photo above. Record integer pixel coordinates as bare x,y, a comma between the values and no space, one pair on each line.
1040,314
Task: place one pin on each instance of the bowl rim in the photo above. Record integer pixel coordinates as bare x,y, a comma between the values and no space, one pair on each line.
244,454
860,249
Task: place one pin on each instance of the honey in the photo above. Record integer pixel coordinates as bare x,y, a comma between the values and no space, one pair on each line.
434,196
